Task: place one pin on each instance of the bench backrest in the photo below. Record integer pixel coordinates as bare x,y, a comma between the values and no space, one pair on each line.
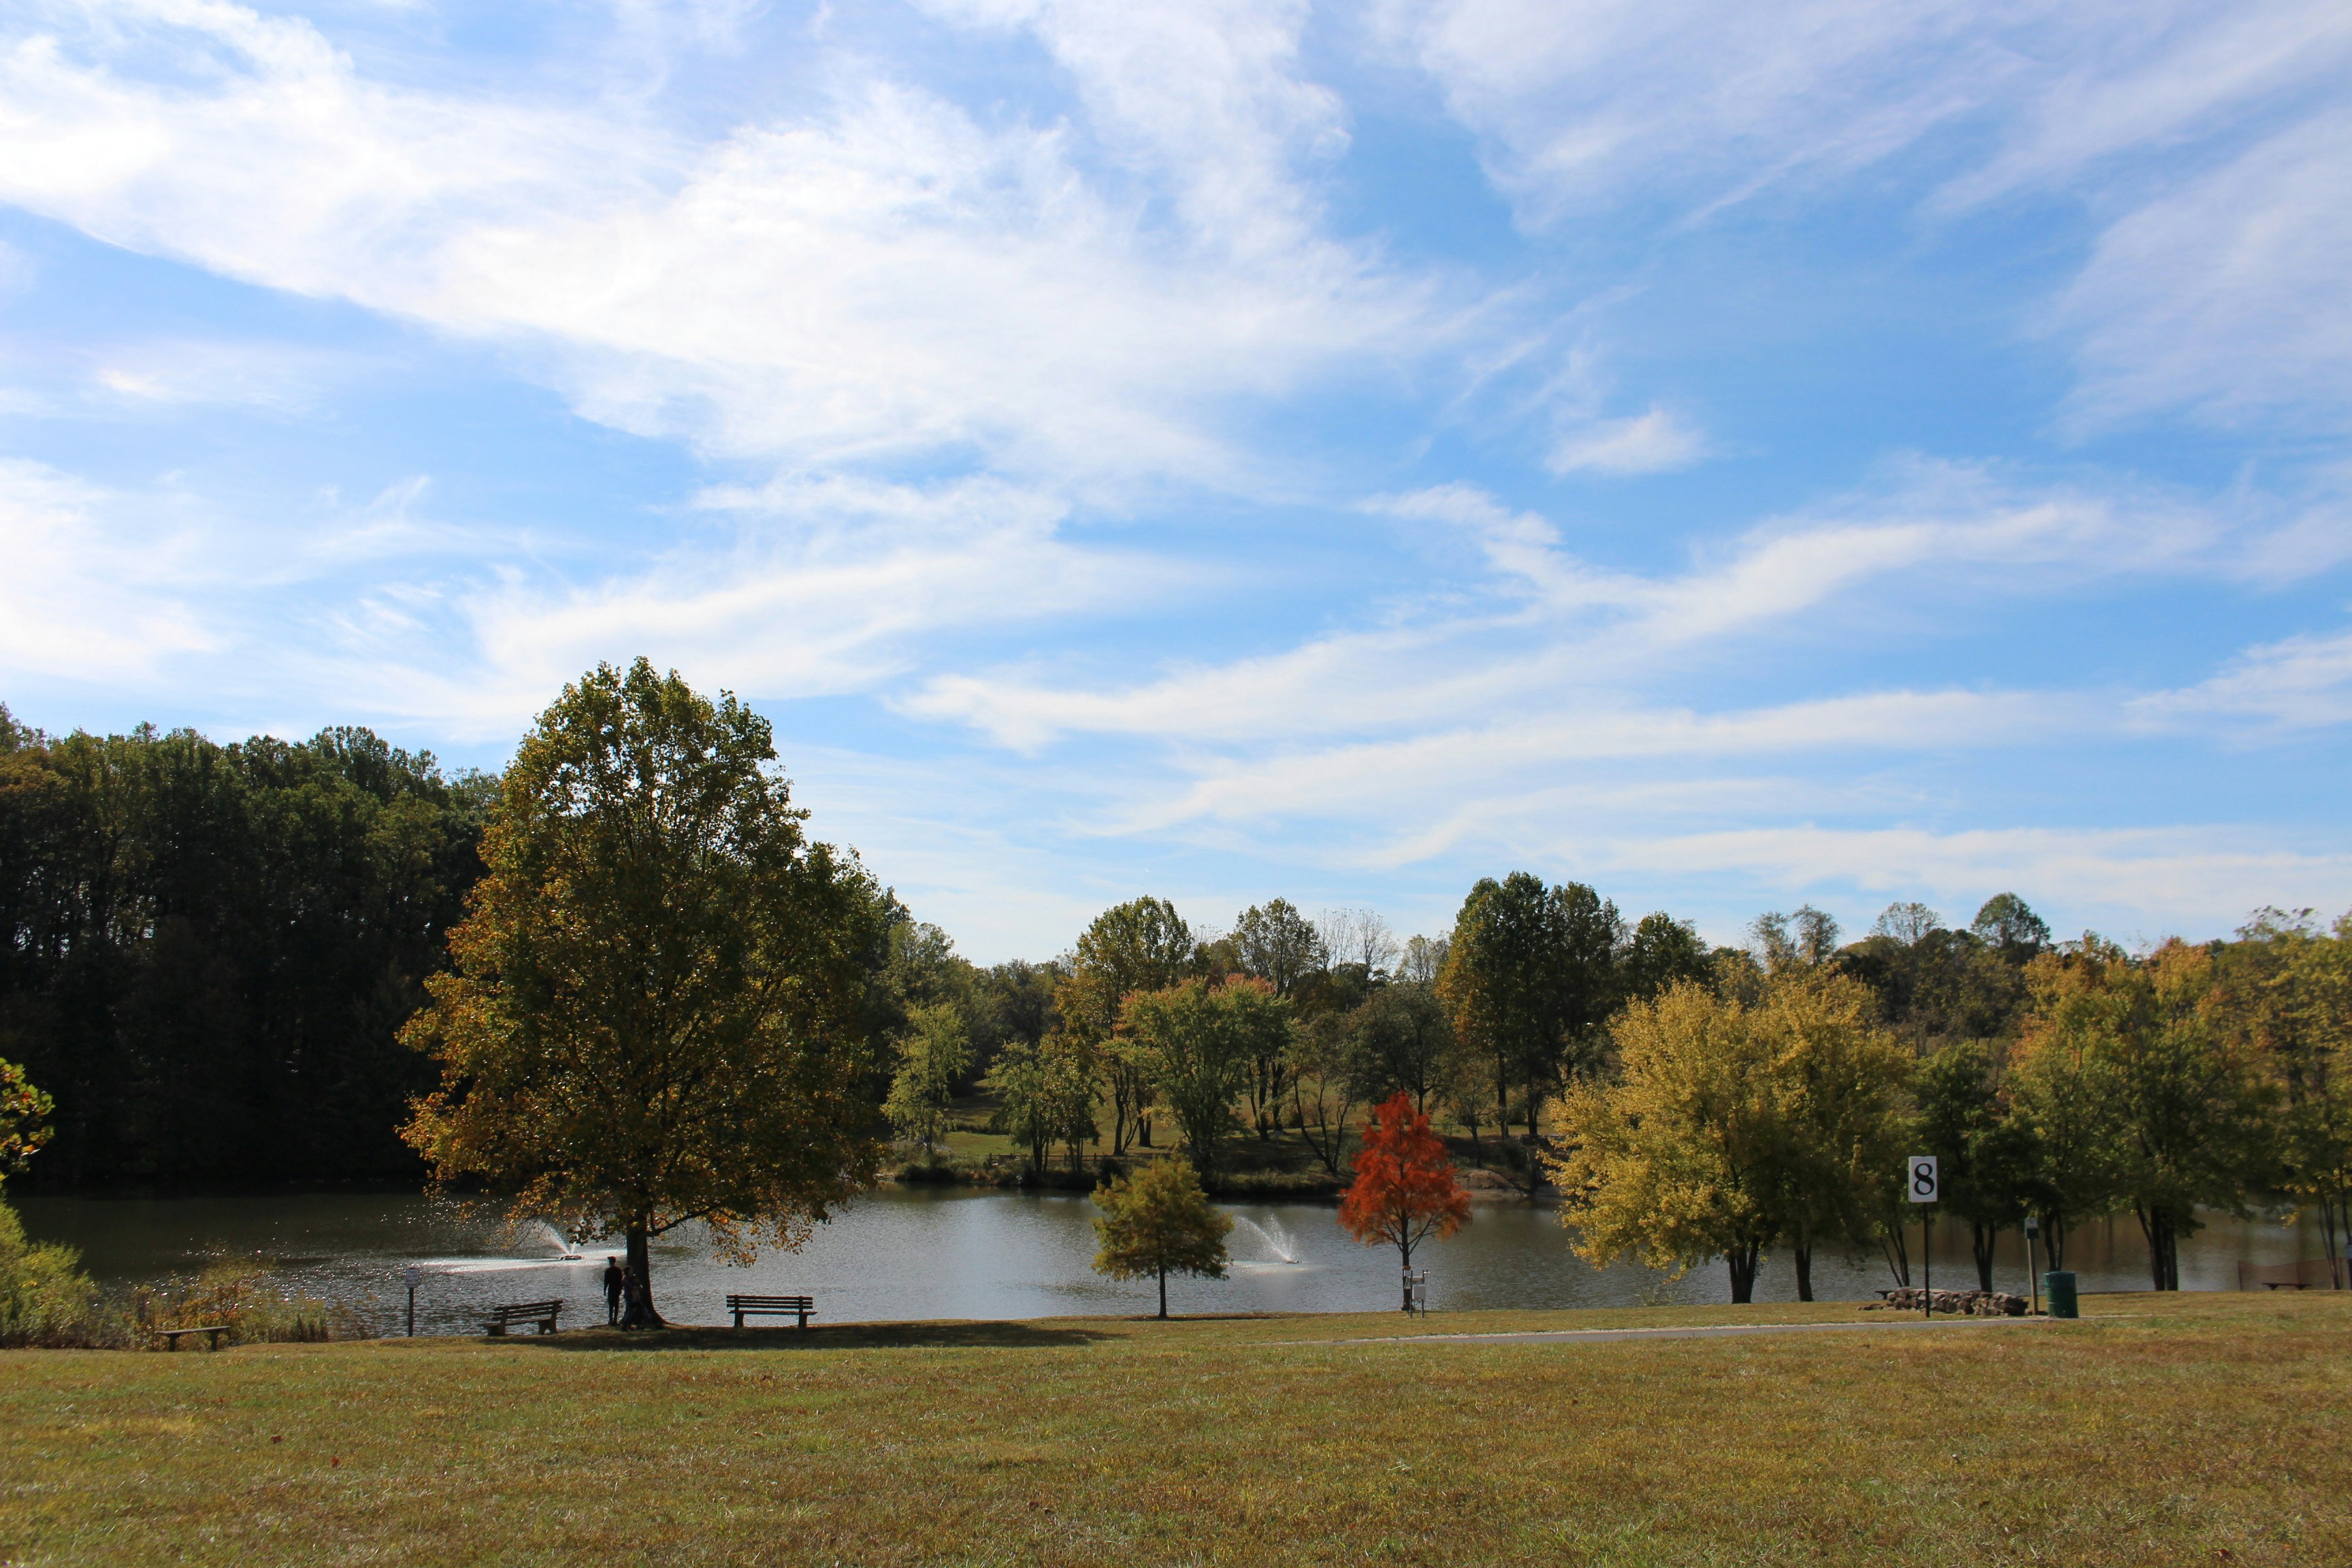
527,1309
794,1302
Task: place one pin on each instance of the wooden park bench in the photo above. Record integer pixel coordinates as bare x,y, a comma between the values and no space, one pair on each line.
172,1336
2311,1274
773,1306
541,1312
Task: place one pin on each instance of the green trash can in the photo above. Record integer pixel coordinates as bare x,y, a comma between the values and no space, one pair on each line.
2058,1290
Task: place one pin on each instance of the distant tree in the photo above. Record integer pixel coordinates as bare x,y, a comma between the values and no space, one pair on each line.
1359,939
1156,1222
934,1052
659,1009
1808,937
1661,951
1838,1078
2006,922
2181,1112
1199,1039
1405,1190
24,1113
1989,1157
1276,944
1140,945
1529,980
1399,1039
1907,922
2283,995
1422,959
1019,1078
1682,1158
1325,1087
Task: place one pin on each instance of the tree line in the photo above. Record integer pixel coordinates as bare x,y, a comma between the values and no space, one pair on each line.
1770,1104
297,961
210,948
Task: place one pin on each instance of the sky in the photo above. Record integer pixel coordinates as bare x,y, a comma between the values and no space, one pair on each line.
1731,455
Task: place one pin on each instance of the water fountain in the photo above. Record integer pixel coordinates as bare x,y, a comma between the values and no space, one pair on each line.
1274,1239
561,1246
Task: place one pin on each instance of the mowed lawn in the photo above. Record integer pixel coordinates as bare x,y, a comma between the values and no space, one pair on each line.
2202,1428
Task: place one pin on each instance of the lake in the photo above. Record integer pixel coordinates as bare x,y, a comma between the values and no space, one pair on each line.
928,1252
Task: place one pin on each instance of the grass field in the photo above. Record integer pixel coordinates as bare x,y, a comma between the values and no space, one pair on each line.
2199,1428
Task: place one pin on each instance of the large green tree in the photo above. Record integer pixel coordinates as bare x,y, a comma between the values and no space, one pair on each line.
1142,944
1274,943
1199,1039
1682,1155
657,1013
1839,1078
1529,980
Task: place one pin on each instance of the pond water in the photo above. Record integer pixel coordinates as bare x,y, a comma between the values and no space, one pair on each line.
918,1253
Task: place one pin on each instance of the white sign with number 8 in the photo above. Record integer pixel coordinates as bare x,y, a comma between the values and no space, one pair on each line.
1921,1174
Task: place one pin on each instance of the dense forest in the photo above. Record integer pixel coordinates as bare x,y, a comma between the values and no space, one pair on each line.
211,948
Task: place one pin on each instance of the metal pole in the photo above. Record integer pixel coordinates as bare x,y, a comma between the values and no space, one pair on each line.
1928,1261
411,1311
2033,1280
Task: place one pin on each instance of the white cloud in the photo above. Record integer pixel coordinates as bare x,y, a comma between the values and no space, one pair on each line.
87,594
1543,623
2208,143
820,587
1653,442
2298,683
877,273
2230,293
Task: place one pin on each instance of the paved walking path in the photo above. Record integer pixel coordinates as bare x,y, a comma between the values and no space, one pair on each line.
1695,1331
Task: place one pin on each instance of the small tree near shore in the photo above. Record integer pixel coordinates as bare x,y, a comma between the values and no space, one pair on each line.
1159,1220
1404,1191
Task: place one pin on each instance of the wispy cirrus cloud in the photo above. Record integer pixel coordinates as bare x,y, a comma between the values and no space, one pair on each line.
872,273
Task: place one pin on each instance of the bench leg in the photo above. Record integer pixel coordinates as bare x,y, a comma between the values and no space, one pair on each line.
805,1320
498,1331
739,1317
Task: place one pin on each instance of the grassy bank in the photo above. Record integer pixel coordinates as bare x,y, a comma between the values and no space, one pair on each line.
2192,1428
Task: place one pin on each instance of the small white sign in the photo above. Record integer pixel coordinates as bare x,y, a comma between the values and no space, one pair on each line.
1920,1173
414,1275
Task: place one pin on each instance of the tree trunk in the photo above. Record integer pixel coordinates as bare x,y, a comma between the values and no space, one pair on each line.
1404,1248
2053,1239
2163,1248
641,1267
1981,1239
1898,1255
1163,1292
1804,1257
1742,1261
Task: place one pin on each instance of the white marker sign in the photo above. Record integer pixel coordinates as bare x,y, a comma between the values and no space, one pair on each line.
1920,1171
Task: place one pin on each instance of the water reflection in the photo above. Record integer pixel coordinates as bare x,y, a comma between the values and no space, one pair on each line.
900,1254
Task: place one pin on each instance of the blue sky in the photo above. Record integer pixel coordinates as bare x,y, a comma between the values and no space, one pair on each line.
1733,456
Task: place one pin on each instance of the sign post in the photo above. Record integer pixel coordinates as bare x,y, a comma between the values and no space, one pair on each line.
1919,1175
415,1277
2033,1280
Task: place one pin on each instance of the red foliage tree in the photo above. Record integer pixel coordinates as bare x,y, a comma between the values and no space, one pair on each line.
1404,1189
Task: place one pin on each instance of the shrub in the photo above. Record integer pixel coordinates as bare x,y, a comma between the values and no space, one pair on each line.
45,1298
238,1297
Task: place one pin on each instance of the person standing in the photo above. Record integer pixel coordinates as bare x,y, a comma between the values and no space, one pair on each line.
616,1282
